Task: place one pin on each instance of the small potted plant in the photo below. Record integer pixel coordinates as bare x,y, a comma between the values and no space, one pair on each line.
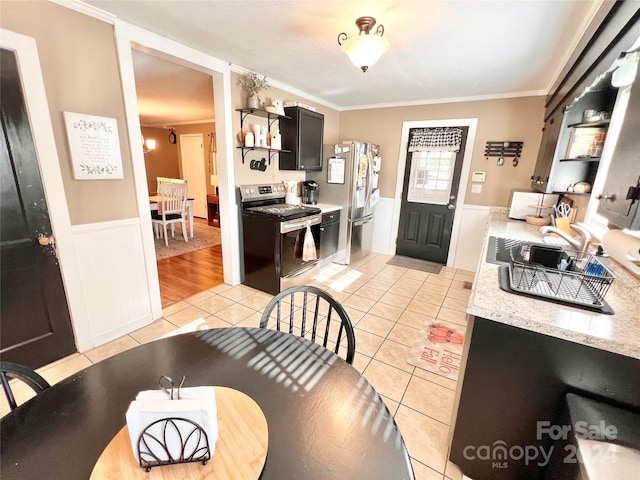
253,84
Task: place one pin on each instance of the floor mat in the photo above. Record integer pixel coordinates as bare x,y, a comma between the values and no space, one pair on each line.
438,348
415,264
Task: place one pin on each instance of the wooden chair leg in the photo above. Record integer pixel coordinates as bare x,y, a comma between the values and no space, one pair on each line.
184,230
173,229
166,236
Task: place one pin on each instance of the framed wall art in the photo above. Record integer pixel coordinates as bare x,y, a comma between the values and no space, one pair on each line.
94,147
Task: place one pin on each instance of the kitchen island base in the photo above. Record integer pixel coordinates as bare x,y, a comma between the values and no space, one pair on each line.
514,386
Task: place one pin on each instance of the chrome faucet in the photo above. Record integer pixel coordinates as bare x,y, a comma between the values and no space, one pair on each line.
579,244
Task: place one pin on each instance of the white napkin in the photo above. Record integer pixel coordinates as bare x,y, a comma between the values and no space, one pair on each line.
197,404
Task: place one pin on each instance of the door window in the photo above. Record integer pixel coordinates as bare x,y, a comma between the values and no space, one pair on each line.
430,177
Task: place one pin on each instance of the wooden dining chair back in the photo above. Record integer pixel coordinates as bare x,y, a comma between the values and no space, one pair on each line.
312,314
10,370
171,209
160,180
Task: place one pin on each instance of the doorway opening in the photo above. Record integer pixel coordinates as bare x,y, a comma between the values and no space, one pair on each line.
176,112
431,180
470,125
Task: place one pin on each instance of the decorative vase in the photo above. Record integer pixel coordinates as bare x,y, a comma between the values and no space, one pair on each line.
253,101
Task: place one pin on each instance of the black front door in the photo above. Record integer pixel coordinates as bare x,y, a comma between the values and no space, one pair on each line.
430,188
35,323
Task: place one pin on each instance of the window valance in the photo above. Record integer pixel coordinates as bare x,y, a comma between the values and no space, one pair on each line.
439,139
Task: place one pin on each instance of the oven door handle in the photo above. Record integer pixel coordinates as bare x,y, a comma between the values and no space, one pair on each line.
290,227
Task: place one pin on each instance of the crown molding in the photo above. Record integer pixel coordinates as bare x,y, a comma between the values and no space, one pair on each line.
476,98
86,9
290,89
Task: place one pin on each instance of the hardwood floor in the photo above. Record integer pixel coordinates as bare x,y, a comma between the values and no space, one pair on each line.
185,275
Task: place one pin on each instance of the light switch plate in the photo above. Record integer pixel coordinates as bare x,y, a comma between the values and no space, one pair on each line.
476,188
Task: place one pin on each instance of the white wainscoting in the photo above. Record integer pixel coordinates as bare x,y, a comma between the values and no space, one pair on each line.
473,226
384,239
468,249
114,277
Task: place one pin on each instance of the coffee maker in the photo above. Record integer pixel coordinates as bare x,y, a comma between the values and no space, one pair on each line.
310,191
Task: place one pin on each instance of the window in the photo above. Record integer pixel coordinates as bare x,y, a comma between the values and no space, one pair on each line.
430,177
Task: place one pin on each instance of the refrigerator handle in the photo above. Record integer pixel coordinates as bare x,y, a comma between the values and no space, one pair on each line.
361,221
369,179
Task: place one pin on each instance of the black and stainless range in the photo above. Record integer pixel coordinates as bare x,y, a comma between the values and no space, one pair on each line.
273,237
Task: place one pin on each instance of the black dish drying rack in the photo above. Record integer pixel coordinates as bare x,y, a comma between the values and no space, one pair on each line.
562,276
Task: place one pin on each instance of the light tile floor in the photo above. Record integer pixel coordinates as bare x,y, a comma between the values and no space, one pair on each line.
387,305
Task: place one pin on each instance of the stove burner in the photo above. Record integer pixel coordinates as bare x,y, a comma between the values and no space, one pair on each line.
283,211
278,209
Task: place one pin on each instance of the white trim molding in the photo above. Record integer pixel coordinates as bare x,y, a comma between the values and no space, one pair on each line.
127,37
44,140
472,123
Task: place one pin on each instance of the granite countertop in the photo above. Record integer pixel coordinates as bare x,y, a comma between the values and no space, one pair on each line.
325,207
618,333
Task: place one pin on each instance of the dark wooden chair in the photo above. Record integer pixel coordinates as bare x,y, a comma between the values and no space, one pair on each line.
311,313
10,370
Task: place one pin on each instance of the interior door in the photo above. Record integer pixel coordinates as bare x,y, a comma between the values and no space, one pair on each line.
35,323
193,171
427,210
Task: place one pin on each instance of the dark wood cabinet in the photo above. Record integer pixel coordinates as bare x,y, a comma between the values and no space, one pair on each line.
302,134
571,145
575,91
329,234
618,200
213,210
516,378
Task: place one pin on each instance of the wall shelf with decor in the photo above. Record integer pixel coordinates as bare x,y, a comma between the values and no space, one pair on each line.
271,119
574,193
601,123
581,159
272,151
270,116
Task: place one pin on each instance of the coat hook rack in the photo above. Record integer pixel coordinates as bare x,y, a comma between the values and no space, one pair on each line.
502,150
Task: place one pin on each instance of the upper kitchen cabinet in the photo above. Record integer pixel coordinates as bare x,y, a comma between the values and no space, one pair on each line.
302,133
581,139
620,195
581,102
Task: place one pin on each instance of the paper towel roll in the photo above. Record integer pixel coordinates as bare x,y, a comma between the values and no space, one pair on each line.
624,249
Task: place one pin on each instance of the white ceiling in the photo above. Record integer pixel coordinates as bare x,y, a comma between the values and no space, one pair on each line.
440,50
170,94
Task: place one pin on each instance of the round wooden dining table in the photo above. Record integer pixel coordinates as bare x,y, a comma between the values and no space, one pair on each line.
325,421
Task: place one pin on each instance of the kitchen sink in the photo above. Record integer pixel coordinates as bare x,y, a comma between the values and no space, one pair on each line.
499,249
535,271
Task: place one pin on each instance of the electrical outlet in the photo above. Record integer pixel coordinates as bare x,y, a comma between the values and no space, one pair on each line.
476,188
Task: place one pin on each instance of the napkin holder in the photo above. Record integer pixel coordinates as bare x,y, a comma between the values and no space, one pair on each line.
168,427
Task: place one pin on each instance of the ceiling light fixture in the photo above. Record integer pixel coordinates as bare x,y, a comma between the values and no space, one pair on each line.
367,48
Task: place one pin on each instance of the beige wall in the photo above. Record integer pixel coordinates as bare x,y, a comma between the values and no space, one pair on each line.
515,119
246,176
163,161
79,65
81,75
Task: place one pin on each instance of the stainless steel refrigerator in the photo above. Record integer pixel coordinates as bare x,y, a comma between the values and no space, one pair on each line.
349,178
